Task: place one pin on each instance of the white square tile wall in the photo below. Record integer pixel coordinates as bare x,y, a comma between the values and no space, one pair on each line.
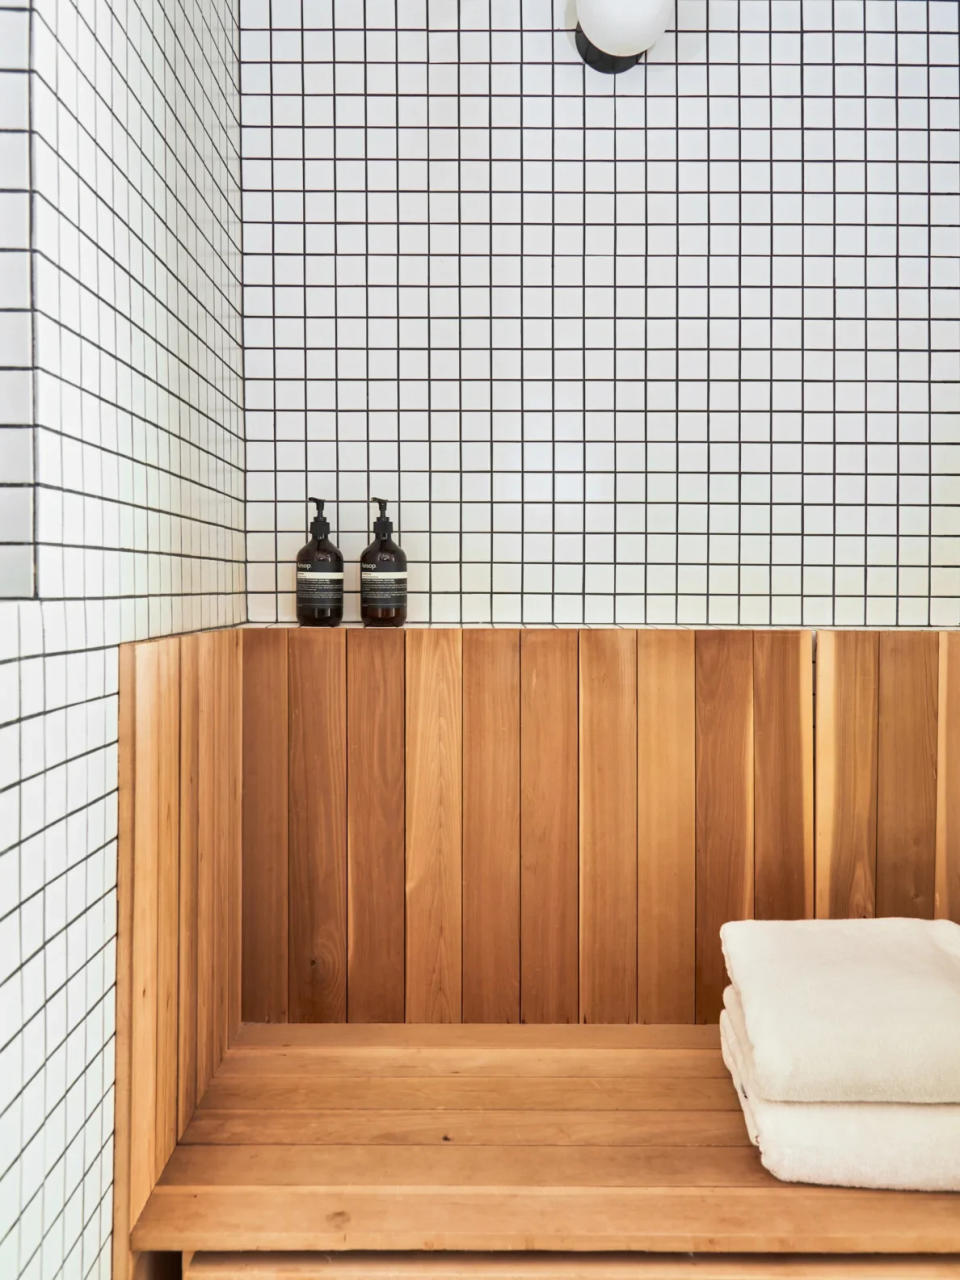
135,432
677,346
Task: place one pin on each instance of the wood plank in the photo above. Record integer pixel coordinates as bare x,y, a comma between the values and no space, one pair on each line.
491,826
666,830
528,1035
608,826
783,774
557,1266
318,825
143,1060
233,844
549,839
468,1093
846,774
189,801
671,1128
908,666
677,1218
375,826
167,749
123,1212
447,1165
947,888
724,808
434,747
373,1061
265,795
208,928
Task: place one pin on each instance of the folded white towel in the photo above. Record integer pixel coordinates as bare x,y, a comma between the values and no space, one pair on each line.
849,1010
890,1145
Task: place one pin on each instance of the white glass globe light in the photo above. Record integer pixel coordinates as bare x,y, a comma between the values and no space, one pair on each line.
621,29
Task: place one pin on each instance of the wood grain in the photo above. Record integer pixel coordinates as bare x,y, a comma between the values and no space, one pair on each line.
318,826
491,826
233,732
123,1211
434,752
725,799
167,754
846,777
947,884
144,1045
549,838
783,774
559,1266
666,829
608,826
209,766
375,826
189,799
909,663
265,799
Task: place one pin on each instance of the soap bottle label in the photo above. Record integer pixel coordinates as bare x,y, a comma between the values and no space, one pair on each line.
318,588
383,588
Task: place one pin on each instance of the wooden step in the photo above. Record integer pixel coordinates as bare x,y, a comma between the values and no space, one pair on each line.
461,1266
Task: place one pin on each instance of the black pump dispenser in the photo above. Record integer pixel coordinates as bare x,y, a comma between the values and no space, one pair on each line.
383,576
319,575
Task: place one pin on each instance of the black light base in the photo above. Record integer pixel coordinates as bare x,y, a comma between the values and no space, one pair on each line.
608,63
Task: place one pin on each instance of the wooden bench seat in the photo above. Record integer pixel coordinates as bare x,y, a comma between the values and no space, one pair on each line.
567,1139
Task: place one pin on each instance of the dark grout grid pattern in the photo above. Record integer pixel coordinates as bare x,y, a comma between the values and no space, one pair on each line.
139,487
678,346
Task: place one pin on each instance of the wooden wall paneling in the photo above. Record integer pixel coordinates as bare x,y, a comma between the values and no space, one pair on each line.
549,820
846,773
189,798
265,799
724,803
783,774
209,927
608,826
491,825
318,825
375,826
666,829
126,754
434,751
231,722
908,675
143,1056
167,749
947,882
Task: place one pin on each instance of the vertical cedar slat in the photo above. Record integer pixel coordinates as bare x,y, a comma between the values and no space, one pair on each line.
375,825
908,666
666,833
187,1023
318,826
724,805
126,749
232,720
208,927
549,839
608,826
220,679
783,774
434,747
167,747
491,825
947,893
143,1058
846,773
265,926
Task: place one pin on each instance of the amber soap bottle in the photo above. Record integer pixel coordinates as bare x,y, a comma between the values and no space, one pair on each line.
383,576
319,576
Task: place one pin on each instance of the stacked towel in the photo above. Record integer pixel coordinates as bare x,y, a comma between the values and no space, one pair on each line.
843,1040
